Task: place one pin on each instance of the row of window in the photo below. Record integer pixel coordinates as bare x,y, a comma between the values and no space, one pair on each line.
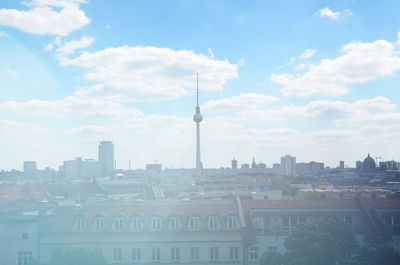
194,254
284,224
156,223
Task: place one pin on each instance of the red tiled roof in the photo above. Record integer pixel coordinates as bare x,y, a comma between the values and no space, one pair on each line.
382,203
302,204
149,208
28,192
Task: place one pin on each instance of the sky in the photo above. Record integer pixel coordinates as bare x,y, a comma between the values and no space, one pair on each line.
318,80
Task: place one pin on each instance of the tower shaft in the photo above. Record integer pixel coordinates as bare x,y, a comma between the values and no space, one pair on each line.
198,158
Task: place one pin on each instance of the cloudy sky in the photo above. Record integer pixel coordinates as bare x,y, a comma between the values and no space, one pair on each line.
316,79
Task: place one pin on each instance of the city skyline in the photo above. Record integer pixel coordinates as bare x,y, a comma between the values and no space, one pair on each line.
317,80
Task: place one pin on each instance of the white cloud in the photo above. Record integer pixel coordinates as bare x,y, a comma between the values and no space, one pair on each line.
3,34
308,53
69,47
11,73
150,73
242,102
327,12
210,51
398,38
53,17
49,47
301,66
360,63
341,112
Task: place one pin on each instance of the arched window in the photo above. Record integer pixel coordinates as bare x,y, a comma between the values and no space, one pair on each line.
119,223
194,222
174,222
80,223
137,222
213,221
156,222
232,221
99,223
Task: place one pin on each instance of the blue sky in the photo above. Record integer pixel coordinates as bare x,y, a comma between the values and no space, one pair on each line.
315,79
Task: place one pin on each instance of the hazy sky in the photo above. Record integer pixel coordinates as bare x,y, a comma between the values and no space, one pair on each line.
315,79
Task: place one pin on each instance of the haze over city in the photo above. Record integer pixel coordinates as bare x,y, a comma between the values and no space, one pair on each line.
318,80
244,132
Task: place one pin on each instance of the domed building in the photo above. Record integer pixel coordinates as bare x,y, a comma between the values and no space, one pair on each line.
369,164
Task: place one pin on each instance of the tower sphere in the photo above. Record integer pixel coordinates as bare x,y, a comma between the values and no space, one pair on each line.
197,117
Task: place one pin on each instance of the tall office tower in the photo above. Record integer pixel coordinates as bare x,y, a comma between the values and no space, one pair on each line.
30,168
106,157
341,164
288,166
234,163
197,118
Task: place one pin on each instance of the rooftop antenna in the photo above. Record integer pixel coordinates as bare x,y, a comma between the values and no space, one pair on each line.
197,74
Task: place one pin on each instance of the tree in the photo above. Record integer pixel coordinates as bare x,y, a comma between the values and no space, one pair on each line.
286,188
328,243
383,254
272,258
76,256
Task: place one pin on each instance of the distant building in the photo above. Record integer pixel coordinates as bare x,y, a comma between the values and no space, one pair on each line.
359,165
311,168
316,167
245,166
234,164
253,164
30,168
341,164
154,167
106,157
369,164
288,166
81,169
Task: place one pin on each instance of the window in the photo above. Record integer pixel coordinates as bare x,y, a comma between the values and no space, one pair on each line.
262,224
258,224
24,236
253,254
234,253
156,222
272,248
136,254
194,222
232,222
137,223
213,222
24,257
174,254
117,254
99,223
214,254
194,254
155,254
174,222
80,223
119,223
285,225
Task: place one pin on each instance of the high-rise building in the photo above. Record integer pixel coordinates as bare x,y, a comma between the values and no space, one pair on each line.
234,164
106,157
30,168
197,118
341,164
288,166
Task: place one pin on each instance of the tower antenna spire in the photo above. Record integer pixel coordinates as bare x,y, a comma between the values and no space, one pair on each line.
197,89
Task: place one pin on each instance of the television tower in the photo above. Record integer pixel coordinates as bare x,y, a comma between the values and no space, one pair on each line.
197,118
